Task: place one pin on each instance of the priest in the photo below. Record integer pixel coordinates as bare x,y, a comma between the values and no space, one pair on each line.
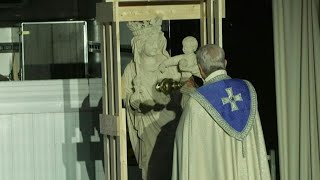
219,135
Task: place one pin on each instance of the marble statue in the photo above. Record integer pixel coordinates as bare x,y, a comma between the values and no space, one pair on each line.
186,62
187,66
147,110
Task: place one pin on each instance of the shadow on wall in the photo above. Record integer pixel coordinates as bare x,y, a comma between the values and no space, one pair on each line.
83,148
3,78
90,150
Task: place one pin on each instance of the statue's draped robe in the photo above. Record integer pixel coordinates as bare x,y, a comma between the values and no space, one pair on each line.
145,127
203,150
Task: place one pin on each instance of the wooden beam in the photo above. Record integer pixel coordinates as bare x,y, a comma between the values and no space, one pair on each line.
203,22
106,149
210,21
223,5
113,154
120,142
123,146
106,142
135,11
147,1
218,22
167,12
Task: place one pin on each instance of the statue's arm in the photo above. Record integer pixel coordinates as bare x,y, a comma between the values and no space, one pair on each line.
173,61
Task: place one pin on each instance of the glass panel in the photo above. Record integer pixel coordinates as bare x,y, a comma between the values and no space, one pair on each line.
54,50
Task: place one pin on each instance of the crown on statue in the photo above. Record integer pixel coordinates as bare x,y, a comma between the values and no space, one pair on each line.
145,27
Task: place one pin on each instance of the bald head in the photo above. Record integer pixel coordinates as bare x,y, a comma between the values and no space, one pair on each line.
211,58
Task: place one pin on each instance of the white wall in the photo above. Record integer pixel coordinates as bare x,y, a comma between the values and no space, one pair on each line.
48,130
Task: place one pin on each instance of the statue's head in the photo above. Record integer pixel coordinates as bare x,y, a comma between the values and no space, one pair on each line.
190,45
148,38
139,28
151,45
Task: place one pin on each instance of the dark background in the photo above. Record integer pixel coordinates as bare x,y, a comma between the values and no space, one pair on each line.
45,10
247,40
248,44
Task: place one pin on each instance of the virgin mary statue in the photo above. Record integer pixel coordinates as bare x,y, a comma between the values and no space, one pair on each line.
147,110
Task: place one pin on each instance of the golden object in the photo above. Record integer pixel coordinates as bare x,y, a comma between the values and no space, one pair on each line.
167,86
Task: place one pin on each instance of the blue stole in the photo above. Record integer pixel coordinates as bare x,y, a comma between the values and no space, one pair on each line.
230,102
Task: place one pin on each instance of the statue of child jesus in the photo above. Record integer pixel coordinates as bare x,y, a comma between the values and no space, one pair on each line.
186,62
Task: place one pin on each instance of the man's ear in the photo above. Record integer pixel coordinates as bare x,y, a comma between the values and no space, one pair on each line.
225,63
201,71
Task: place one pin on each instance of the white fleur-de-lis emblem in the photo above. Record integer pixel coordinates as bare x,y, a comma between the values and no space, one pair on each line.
231,99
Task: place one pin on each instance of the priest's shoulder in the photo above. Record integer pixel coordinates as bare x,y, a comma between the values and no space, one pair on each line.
251,87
